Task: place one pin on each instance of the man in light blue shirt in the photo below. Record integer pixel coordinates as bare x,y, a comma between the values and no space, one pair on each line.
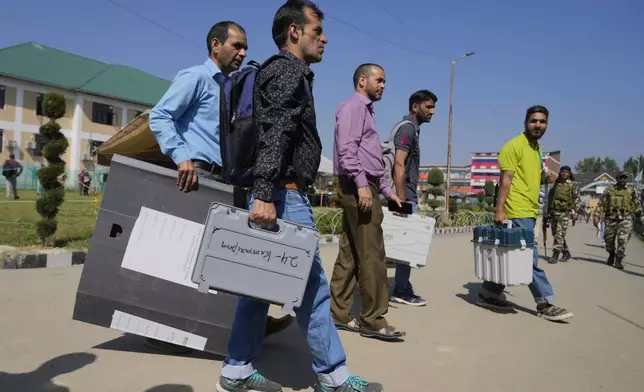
185,122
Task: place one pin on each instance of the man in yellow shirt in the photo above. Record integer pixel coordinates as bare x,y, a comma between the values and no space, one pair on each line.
521,167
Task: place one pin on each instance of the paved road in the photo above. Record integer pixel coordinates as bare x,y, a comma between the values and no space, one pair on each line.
451,345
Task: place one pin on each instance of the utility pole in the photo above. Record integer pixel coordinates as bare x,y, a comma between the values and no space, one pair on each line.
449,133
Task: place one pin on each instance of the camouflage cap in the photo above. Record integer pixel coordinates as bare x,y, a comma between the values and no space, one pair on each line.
622,173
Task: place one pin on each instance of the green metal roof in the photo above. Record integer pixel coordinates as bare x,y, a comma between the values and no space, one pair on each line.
38,63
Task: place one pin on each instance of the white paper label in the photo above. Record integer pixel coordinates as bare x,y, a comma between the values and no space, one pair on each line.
164,246
139,326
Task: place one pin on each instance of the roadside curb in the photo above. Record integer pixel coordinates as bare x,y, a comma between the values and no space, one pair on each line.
41,259
453,230
335,238
16,259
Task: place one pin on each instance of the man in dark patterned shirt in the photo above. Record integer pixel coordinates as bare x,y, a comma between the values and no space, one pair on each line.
288,159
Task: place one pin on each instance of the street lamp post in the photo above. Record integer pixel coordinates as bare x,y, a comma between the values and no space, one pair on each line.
449,133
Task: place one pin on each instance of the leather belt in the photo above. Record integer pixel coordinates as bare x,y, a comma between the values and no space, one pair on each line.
292,185
212,168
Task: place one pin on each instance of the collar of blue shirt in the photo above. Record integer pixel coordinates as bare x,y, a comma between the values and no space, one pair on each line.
213,70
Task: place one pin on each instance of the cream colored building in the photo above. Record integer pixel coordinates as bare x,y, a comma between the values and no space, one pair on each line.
101,99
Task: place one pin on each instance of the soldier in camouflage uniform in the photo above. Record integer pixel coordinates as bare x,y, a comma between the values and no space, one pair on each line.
618,205
564,198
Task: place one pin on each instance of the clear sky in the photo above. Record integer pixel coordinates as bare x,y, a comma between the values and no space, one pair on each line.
583,59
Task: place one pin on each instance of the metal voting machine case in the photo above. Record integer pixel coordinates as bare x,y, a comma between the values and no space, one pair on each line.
408,239
240,258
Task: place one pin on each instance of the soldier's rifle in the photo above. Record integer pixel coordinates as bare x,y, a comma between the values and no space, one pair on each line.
545,211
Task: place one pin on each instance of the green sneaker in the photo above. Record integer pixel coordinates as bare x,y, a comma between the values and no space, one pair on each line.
255,383
353,384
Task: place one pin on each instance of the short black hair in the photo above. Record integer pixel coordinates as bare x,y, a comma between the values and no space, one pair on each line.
220,31
421,96
291,12
536,109
363,69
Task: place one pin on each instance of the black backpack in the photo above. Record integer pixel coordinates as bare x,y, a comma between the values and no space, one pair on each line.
239,132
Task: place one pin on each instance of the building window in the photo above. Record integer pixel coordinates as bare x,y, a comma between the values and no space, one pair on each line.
39,99
2,92
93,146
103,114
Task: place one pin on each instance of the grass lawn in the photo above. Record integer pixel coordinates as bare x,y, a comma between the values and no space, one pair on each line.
75,221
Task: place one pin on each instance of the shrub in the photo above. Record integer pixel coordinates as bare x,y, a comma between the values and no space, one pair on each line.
53,192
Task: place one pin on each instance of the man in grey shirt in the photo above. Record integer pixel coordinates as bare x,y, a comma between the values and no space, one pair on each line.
406,173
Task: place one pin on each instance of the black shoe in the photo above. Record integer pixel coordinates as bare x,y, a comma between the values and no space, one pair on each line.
611,258
276,325
407,298
566,256
618,263
492,303
554,259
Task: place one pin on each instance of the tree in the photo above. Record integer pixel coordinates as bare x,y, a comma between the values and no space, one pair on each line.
51,176
489,187
453,205
596,165
435,179
634,165
480,197
610,165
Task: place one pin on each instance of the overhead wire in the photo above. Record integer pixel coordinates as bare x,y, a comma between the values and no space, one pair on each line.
339,20
419,35
167,30
405,25
382,39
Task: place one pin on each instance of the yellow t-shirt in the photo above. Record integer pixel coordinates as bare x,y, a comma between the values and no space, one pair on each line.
518,156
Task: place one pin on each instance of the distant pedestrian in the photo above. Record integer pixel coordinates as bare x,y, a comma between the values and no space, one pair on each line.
618,206
564,197
11,170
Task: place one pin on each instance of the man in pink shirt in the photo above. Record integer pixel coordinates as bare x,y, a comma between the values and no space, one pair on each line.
357,160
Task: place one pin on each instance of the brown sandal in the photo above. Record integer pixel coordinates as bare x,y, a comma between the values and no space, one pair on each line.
390,334
346,327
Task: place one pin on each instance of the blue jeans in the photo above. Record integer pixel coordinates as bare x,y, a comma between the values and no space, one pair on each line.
403,271
313,317
540,287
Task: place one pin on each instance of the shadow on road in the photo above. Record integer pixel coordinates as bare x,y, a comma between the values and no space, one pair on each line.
599,261
40,380
621,317
474,288
595,246
136,344
284,358
589,260
171,388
